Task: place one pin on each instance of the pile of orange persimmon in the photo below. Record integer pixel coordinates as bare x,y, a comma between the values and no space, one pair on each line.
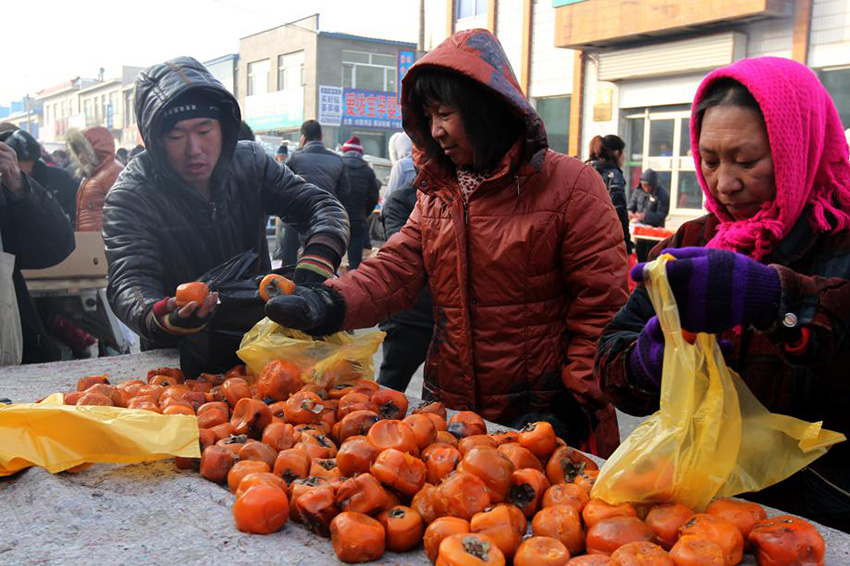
350,464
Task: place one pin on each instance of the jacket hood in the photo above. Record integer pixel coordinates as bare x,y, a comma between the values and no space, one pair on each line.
354,159
478,55
159,85
92,148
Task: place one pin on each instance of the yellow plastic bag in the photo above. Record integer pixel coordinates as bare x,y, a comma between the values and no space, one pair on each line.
59,437
710,437
336,359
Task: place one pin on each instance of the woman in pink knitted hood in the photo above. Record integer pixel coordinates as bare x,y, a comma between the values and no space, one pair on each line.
767,269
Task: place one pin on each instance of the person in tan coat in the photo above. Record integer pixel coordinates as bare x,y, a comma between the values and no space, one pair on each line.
93,150
520,246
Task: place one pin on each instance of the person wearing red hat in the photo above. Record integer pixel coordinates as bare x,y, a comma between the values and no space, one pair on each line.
364,189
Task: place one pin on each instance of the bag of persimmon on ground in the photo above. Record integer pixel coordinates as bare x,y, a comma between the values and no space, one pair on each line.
329,361
710,437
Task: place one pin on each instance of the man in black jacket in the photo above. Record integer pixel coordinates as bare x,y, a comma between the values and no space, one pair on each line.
650,205
35,230
317,165
197,198
365,190
408,332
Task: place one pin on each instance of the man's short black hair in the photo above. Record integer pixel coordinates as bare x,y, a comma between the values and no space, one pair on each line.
122,152
489,121
311,130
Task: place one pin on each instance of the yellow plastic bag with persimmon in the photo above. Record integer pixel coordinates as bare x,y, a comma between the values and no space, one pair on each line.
710,437
60,437
328,361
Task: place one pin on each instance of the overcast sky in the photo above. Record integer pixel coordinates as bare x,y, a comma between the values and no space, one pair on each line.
51,41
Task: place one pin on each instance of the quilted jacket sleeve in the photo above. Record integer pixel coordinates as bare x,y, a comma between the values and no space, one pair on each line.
594,266
386,283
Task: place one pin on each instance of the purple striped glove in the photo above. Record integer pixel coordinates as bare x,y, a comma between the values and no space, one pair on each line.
647,358
717,290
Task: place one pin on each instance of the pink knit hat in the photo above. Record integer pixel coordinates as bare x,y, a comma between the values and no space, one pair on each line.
353,144
810,155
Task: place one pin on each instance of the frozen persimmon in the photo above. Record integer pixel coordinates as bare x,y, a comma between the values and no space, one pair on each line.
392,433
316,508
590,560
440,460
596,510
95,399
358,423
434,407
541,551
234,389
539,438
291,464
498,524
87,381
743,514
446,437
142,403
440,529
218,378
469,550
223,430
355,456
566,494
691,550
250,417
194,292
264,478
131,387
423,429
423,503
178,410
213,405
400,471
494,469
325,467
280,436
273,285
391,404
262,509
521,457
527,488
216,462
566,463
561,523
404,528
258,452
357,537
466,423
721,531
176,373
198,385
354,401
665,520
609,534
303,407
438,421
278,380
462,495
787,540
505,437
640,553
467,443
362,494
241,469
327,446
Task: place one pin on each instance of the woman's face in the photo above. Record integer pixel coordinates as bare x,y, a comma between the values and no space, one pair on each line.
446,128
736,161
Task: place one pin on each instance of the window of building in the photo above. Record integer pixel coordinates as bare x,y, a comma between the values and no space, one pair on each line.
129,111
290,70
113,101
369,71
837,83
258,77
470,8
87,110
555,112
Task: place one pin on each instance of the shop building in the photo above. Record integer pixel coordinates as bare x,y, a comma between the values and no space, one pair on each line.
296,72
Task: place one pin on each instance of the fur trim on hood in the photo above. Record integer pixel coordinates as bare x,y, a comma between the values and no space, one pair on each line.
91,148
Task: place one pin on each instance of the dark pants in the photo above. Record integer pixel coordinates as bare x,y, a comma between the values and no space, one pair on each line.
404,348
289,245
643,247
355,244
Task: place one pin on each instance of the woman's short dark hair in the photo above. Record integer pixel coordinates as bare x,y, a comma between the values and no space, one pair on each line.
726,92
491,124
603,148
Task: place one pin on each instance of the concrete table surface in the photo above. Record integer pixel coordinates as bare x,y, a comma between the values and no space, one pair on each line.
152,513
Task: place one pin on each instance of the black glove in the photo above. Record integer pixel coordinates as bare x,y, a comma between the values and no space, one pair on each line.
319,311
317,263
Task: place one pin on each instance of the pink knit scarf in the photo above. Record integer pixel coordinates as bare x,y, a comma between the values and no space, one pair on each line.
810,156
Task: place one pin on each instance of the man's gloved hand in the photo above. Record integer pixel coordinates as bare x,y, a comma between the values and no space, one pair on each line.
186,320
646,360
717,290
319,311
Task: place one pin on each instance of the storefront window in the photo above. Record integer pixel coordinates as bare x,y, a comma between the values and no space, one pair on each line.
369,71
555,113
837,83
690,193
685,140
661,138
470,8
